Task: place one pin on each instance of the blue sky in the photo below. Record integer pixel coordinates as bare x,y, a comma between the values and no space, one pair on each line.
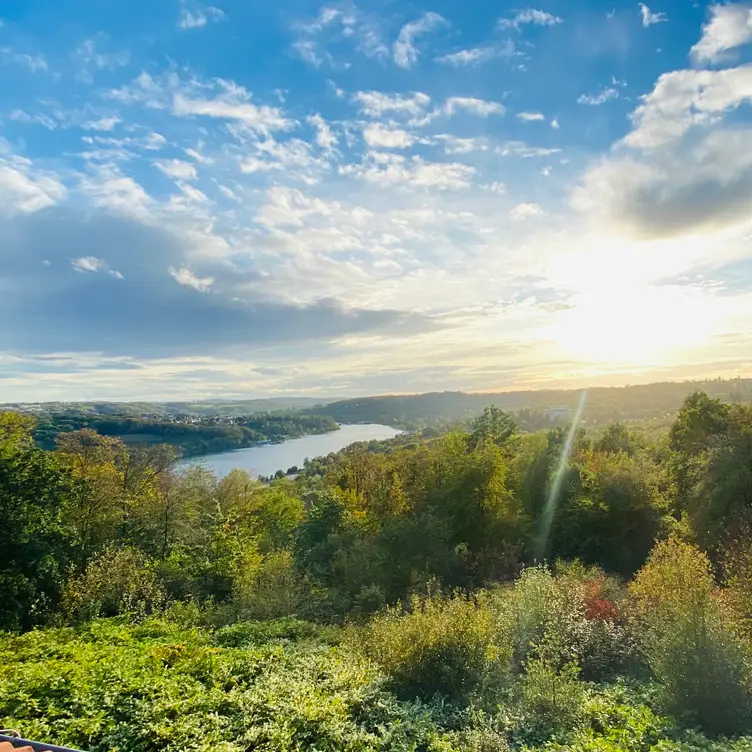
249,199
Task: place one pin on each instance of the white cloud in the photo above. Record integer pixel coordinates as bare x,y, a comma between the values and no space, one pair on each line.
689,174
112,190
103,124
310,52
34,63
22,191
177,169
295,156
392,169
228,193
380,136
496,187
555,124
475,106
184,276
92,264
730,26
530,117
523,150
233,105
529,16
649,18
199,157
606,94
456,145
20,116
686,98
404,51
526,211
90,56
199,17
192,98
337,24
376,103
325,138
471,57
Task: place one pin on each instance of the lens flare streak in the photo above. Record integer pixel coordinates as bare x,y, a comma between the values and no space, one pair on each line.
553,497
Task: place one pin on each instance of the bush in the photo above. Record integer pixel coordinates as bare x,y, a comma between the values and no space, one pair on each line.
118,581
688,641
267,588
440,646
574,613
261,632
552,698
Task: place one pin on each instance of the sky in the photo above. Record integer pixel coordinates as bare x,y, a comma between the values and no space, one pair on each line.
255,199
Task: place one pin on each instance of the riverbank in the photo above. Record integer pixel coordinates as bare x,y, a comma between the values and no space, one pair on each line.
267,459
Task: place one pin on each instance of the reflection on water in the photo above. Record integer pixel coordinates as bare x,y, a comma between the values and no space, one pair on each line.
267,459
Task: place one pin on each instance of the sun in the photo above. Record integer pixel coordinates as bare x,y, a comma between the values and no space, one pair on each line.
638,325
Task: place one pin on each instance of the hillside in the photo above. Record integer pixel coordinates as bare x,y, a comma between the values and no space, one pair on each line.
603,404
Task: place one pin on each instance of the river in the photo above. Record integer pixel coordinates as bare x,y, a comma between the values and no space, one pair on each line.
267,459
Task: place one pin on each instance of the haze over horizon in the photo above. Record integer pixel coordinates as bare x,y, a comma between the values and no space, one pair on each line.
340,199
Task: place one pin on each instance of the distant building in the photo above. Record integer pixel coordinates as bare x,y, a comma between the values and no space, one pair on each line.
558,414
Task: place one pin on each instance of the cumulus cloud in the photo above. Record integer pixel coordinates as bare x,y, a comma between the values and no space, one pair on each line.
529,16
687,98
325,137
382,137
474,106
526,211
649,18
376,103
681,170
729,27
393,169
404,50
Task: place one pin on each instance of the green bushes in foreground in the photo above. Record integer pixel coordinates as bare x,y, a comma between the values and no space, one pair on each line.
161,687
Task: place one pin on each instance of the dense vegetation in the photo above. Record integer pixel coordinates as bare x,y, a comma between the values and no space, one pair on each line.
196,408
649,401
192,437
481,590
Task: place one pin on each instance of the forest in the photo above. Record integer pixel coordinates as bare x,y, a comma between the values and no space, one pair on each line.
481,589
605,404
191,437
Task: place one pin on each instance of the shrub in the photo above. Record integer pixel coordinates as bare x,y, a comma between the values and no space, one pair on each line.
261,632
574,613
118,581
267,588
440,646
688,641
551,698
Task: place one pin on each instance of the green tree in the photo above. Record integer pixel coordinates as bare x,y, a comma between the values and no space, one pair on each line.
493,424
35,491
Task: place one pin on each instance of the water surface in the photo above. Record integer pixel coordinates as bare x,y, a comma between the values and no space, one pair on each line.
267,459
